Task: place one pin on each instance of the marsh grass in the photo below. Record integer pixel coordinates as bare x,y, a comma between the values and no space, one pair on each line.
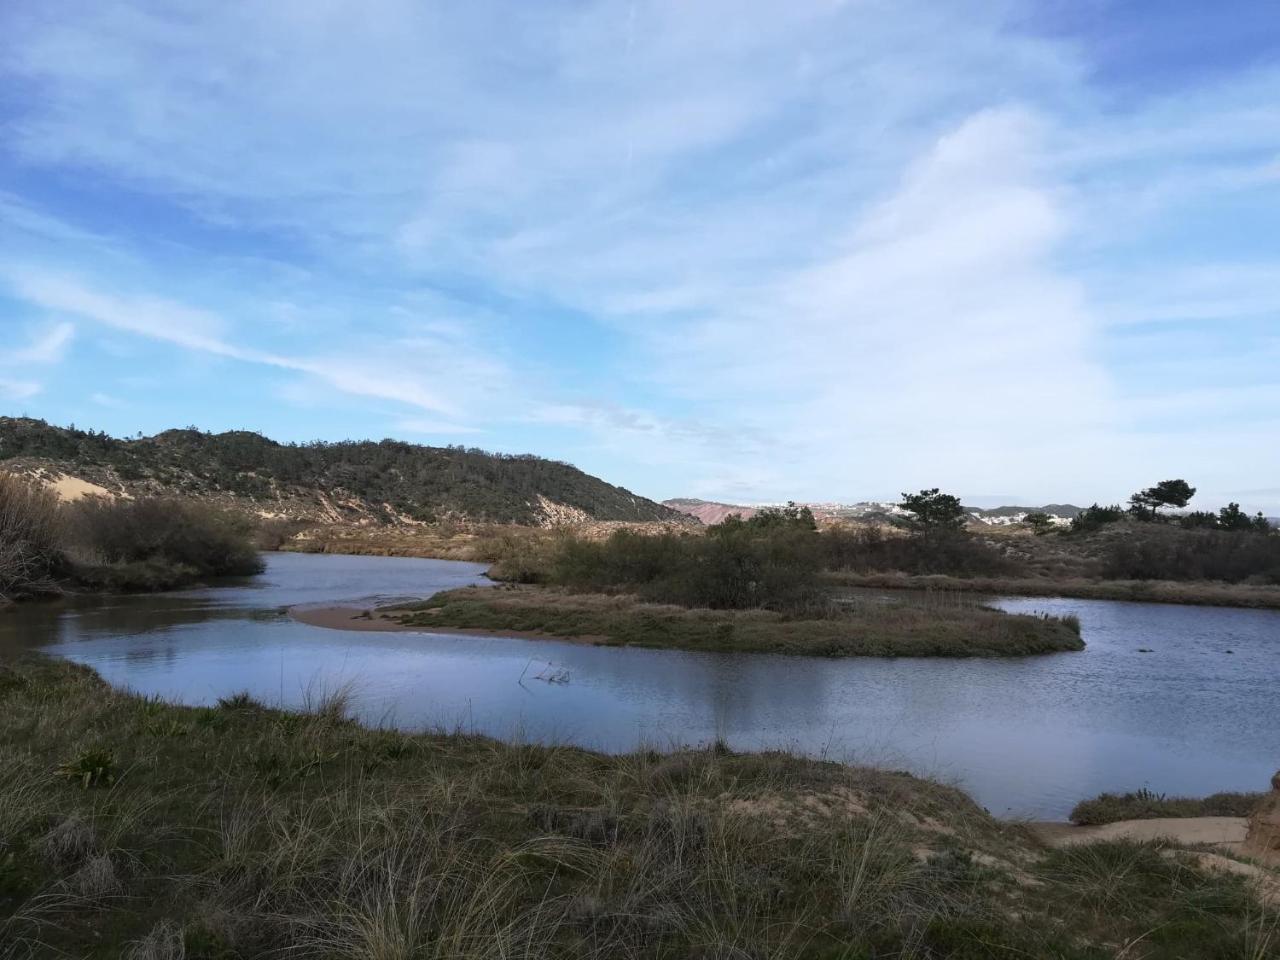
393,845
845,629
1141,591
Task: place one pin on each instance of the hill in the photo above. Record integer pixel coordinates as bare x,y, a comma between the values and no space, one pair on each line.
708,511
351,481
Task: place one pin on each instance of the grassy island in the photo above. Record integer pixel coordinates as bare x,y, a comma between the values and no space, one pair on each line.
878,629
757,585
134,828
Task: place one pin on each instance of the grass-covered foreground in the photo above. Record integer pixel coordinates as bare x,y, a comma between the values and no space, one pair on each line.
131,828
870,628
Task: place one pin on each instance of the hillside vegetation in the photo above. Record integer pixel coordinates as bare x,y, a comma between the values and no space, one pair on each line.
386,480
134,828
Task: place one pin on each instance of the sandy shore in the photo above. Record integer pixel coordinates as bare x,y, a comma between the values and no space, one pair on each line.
365,619
1227,832
371,620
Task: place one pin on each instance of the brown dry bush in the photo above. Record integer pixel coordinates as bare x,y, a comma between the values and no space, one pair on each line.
31,557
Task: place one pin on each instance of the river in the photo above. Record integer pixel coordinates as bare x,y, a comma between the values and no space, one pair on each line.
1026,737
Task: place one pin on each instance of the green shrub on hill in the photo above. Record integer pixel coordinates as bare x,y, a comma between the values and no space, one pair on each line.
389,477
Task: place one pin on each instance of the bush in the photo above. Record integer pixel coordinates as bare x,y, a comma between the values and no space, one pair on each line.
1145,804
1096,517
868,548
154,543
31,556
1166,552
736,565
274,532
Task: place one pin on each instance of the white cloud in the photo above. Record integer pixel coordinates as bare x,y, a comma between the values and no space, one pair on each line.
18,389
832,246
45,348
400,374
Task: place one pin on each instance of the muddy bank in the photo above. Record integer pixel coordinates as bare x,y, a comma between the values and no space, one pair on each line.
372,620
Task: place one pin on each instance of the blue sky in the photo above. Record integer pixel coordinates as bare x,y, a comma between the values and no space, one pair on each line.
810,250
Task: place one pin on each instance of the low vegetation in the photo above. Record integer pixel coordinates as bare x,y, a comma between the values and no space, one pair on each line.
134,828
103,544
1204,593
1147,805
871,628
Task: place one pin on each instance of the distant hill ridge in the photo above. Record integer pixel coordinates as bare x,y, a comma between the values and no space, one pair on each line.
349,481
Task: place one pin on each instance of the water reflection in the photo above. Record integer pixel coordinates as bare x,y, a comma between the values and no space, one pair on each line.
1026,736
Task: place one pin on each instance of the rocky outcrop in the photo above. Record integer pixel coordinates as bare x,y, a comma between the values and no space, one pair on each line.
1263,838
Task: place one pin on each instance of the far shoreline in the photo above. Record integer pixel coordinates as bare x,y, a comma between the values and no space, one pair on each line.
1178,593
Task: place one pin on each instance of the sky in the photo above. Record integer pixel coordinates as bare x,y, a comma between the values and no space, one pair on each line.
812,250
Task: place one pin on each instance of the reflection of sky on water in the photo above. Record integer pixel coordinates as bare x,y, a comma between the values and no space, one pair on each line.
1027,736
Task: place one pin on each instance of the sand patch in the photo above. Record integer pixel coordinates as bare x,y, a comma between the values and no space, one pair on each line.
69,489
1226,832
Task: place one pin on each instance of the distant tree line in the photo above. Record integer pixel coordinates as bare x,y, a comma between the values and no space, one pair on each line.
1145,506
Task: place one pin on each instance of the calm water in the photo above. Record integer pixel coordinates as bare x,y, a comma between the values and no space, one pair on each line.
1026,737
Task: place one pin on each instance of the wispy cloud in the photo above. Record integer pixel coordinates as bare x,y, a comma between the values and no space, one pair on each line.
18,389
809,249
200,330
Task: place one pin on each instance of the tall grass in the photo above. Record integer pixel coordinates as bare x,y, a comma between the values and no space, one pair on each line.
141,544
31,541
468,848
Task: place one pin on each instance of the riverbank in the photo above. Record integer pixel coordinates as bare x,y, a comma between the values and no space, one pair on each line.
238,830
879,630
1136,591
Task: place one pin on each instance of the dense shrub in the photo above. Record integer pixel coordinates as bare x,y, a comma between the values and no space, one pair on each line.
275,532
31,558
150,534
736,565
1167,552
1146,804
1096,517
952,552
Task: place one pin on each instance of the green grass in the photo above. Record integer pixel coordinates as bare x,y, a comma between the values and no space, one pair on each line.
1147,805
861,629
1200,593
306,835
